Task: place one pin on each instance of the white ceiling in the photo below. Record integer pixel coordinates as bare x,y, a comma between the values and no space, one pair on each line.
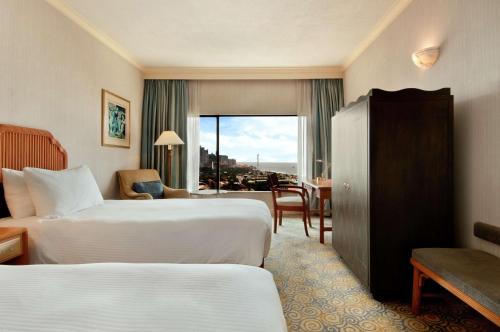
235,33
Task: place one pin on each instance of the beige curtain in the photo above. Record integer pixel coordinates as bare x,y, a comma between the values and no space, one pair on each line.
305,138
193,136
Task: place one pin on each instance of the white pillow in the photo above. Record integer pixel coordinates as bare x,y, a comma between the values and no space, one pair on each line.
17,195
58,193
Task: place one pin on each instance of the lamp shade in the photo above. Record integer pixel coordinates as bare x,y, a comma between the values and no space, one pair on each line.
168,137
425,58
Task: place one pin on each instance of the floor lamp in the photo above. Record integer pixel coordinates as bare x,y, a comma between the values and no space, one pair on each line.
169,138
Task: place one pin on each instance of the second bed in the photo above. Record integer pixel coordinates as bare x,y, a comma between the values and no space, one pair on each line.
157,231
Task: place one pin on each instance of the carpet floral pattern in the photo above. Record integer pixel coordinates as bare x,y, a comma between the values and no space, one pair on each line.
319,293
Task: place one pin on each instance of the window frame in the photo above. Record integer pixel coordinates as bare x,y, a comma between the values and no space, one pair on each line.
217,132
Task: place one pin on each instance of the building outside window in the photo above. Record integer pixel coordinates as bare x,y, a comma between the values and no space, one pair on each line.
238,152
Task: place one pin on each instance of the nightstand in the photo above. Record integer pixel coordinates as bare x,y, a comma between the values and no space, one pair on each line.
14,245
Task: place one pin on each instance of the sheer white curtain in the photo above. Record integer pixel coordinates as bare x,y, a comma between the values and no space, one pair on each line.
193,137
305,142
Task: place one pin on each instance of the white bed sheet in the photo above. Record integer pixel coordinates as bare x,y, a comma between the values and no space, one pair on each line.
139,297
155,231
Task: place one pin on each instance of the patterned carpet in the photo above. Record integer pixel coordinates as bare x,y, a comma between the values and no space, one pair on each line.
319,293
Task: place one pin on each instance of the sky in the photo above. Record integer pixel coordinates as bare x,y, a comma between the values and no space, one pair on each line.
274,138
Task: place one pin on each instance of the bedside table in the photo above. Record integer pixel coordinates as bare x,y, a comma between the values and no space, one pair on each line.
14,245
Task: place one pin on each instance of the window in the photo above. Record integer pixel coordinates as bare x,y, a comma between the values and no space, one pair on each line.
237,152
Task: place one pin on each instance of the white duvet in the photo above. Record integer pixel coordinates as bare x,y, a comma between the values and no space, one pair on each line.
156,231
139,297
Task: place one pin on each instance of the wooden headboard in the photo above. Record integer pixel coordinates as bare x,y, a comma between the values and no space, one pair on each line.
23,147
27,147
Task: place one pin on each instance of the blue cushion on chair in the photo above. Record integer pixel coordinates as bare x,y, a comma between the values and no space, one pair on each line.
154,188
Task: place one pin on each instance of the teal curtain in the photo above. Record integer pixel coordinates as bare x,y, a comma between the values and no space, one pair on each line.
327,99
164,107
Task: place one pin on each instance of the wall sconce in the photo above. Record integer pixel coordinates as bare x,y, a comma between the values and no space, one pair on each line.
426,57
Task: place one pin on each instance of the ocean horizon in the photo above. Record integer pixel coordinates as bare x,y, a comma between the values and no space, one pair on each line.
278,167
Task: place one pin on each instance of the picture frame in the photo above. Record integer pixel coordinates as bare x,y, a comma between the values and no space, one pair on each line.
115,120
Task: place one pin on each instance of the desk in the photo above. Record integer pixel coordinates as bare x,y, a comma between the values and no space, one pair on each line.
322,190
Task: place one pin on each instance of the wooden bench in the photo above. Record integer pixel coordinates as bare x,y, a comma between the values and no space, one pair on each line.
471,275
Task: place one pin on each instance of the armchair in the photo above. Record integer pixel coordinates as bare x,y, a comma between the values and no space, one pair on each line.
296,199
126,179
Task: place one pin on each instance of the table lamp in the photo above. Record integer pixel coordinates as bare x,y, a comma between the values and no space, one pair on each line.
169,138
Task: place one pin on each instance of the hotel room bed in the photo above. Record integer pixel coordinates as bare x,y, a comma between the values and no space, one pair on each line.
154,231
139,297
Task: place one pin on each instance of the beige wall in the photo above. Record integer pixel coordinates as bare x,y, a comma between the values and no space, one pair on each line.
468,33
51,76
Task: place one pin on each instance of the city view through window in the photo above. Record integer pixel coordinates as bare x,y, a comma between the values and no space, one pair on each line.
250,147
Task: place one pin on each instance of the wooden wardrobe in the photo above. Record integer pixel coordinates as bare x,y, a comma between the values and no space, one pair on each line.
392,155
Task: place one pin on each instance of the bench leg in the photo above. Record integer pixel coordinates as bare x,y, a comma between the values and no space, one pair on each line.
417,291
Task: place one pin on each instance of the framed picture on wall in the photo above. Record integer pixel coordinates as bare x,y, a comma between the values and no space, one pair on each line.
115,123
